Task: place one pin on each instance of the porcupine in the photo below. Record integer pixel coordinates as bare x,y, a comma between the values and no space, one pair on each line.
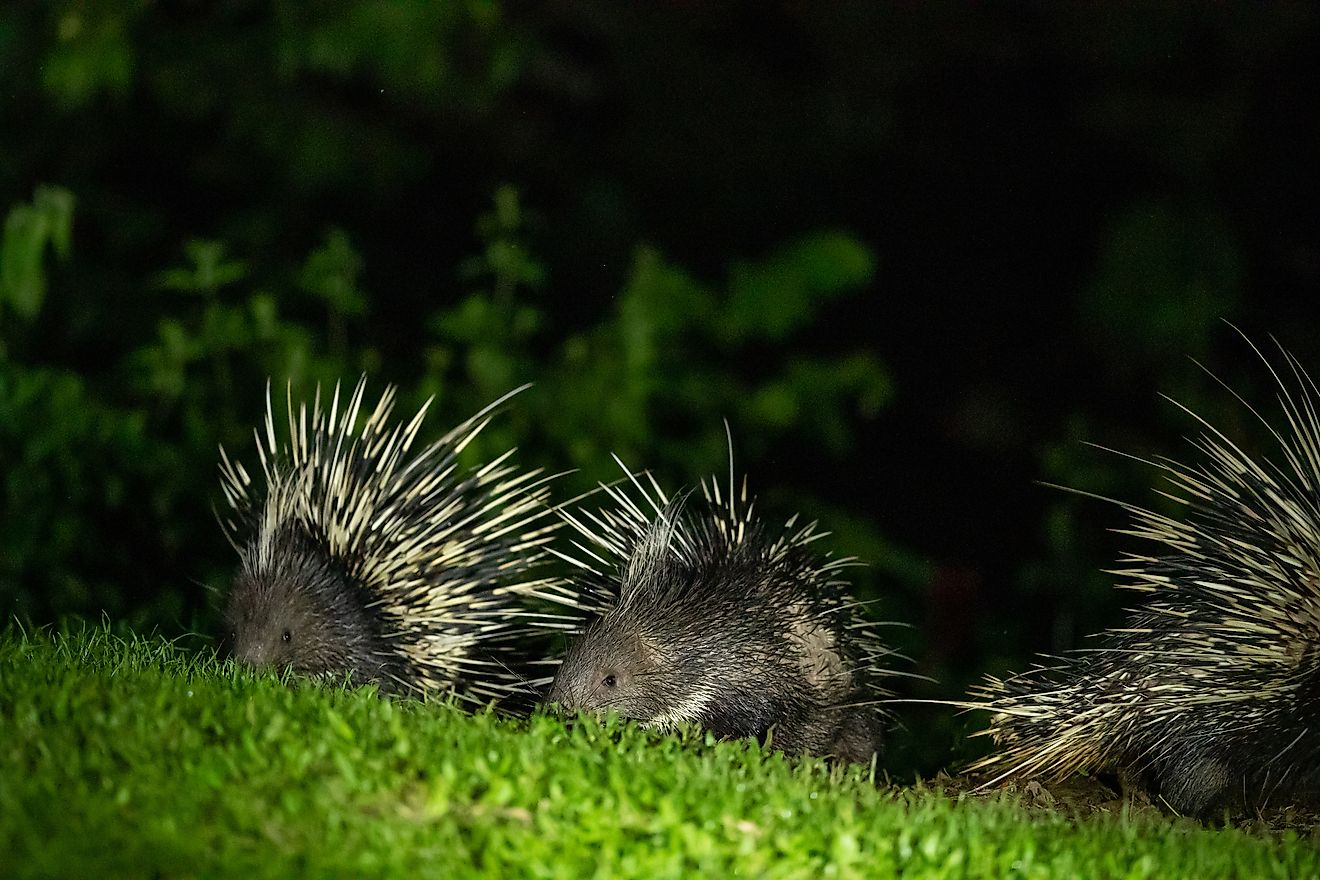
362,564
709,617
1211,694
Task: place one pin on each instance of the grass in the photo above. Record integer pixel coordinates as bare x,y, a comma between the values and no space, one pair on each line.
134,758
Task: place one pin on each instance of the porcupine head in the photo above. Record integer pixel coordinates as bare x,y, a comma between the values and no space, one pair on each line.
293,606
711,642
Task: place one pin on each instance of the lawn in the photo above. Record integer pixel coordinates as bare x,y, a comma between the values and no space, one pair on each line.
133,757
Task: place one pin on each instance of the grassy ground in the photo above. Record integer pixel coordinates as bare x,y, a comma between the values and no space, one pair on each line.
135,759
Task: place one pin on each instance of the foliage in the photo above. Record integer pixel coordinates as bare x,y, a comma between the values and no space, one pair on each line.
28,231
112,470
125,758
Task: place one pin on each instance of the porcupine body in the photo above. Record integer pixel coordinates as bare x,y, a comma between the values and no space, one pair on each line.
361,563
1211,694
706,616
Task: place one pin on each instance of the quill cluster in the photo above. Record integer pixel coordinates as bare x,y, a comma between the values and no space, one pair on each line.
361,561
1211,693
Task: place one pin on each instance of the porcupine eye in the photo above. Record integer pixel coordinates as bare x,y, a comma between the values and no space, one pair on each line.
609,681
287,637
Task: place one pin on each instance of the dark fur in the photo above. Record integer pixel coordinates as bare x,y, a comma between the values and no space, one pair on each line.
709,636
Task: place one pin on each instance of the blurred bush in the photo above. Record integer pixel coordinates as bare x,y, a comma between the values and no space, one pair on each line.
109,473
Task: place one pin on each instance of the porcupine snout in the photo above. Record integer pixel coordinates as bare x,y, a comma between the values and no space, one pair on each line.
587,682
256,625
582,688
256,650
610,669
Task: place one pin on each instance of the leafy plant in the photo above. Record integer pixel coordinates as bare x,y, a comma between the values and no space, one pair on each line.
128,453
29,230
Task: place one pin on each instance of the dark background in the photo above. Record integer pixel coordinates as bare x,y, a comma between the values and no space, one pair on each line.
918,255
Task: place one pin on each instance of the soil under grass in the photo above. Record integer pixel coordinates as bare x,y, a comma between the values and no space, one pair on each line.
134,758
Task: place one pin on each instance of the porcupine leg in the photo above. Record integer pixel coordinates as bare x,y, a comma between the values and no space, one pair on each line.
797,736
857,736
849,735
794,727
1192,782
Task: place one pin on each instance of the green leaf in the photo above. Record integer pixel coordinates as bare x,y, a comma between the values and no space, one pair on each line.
22,280
56,203
331,272
659,301
28,228
781,294
93,54
210,270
